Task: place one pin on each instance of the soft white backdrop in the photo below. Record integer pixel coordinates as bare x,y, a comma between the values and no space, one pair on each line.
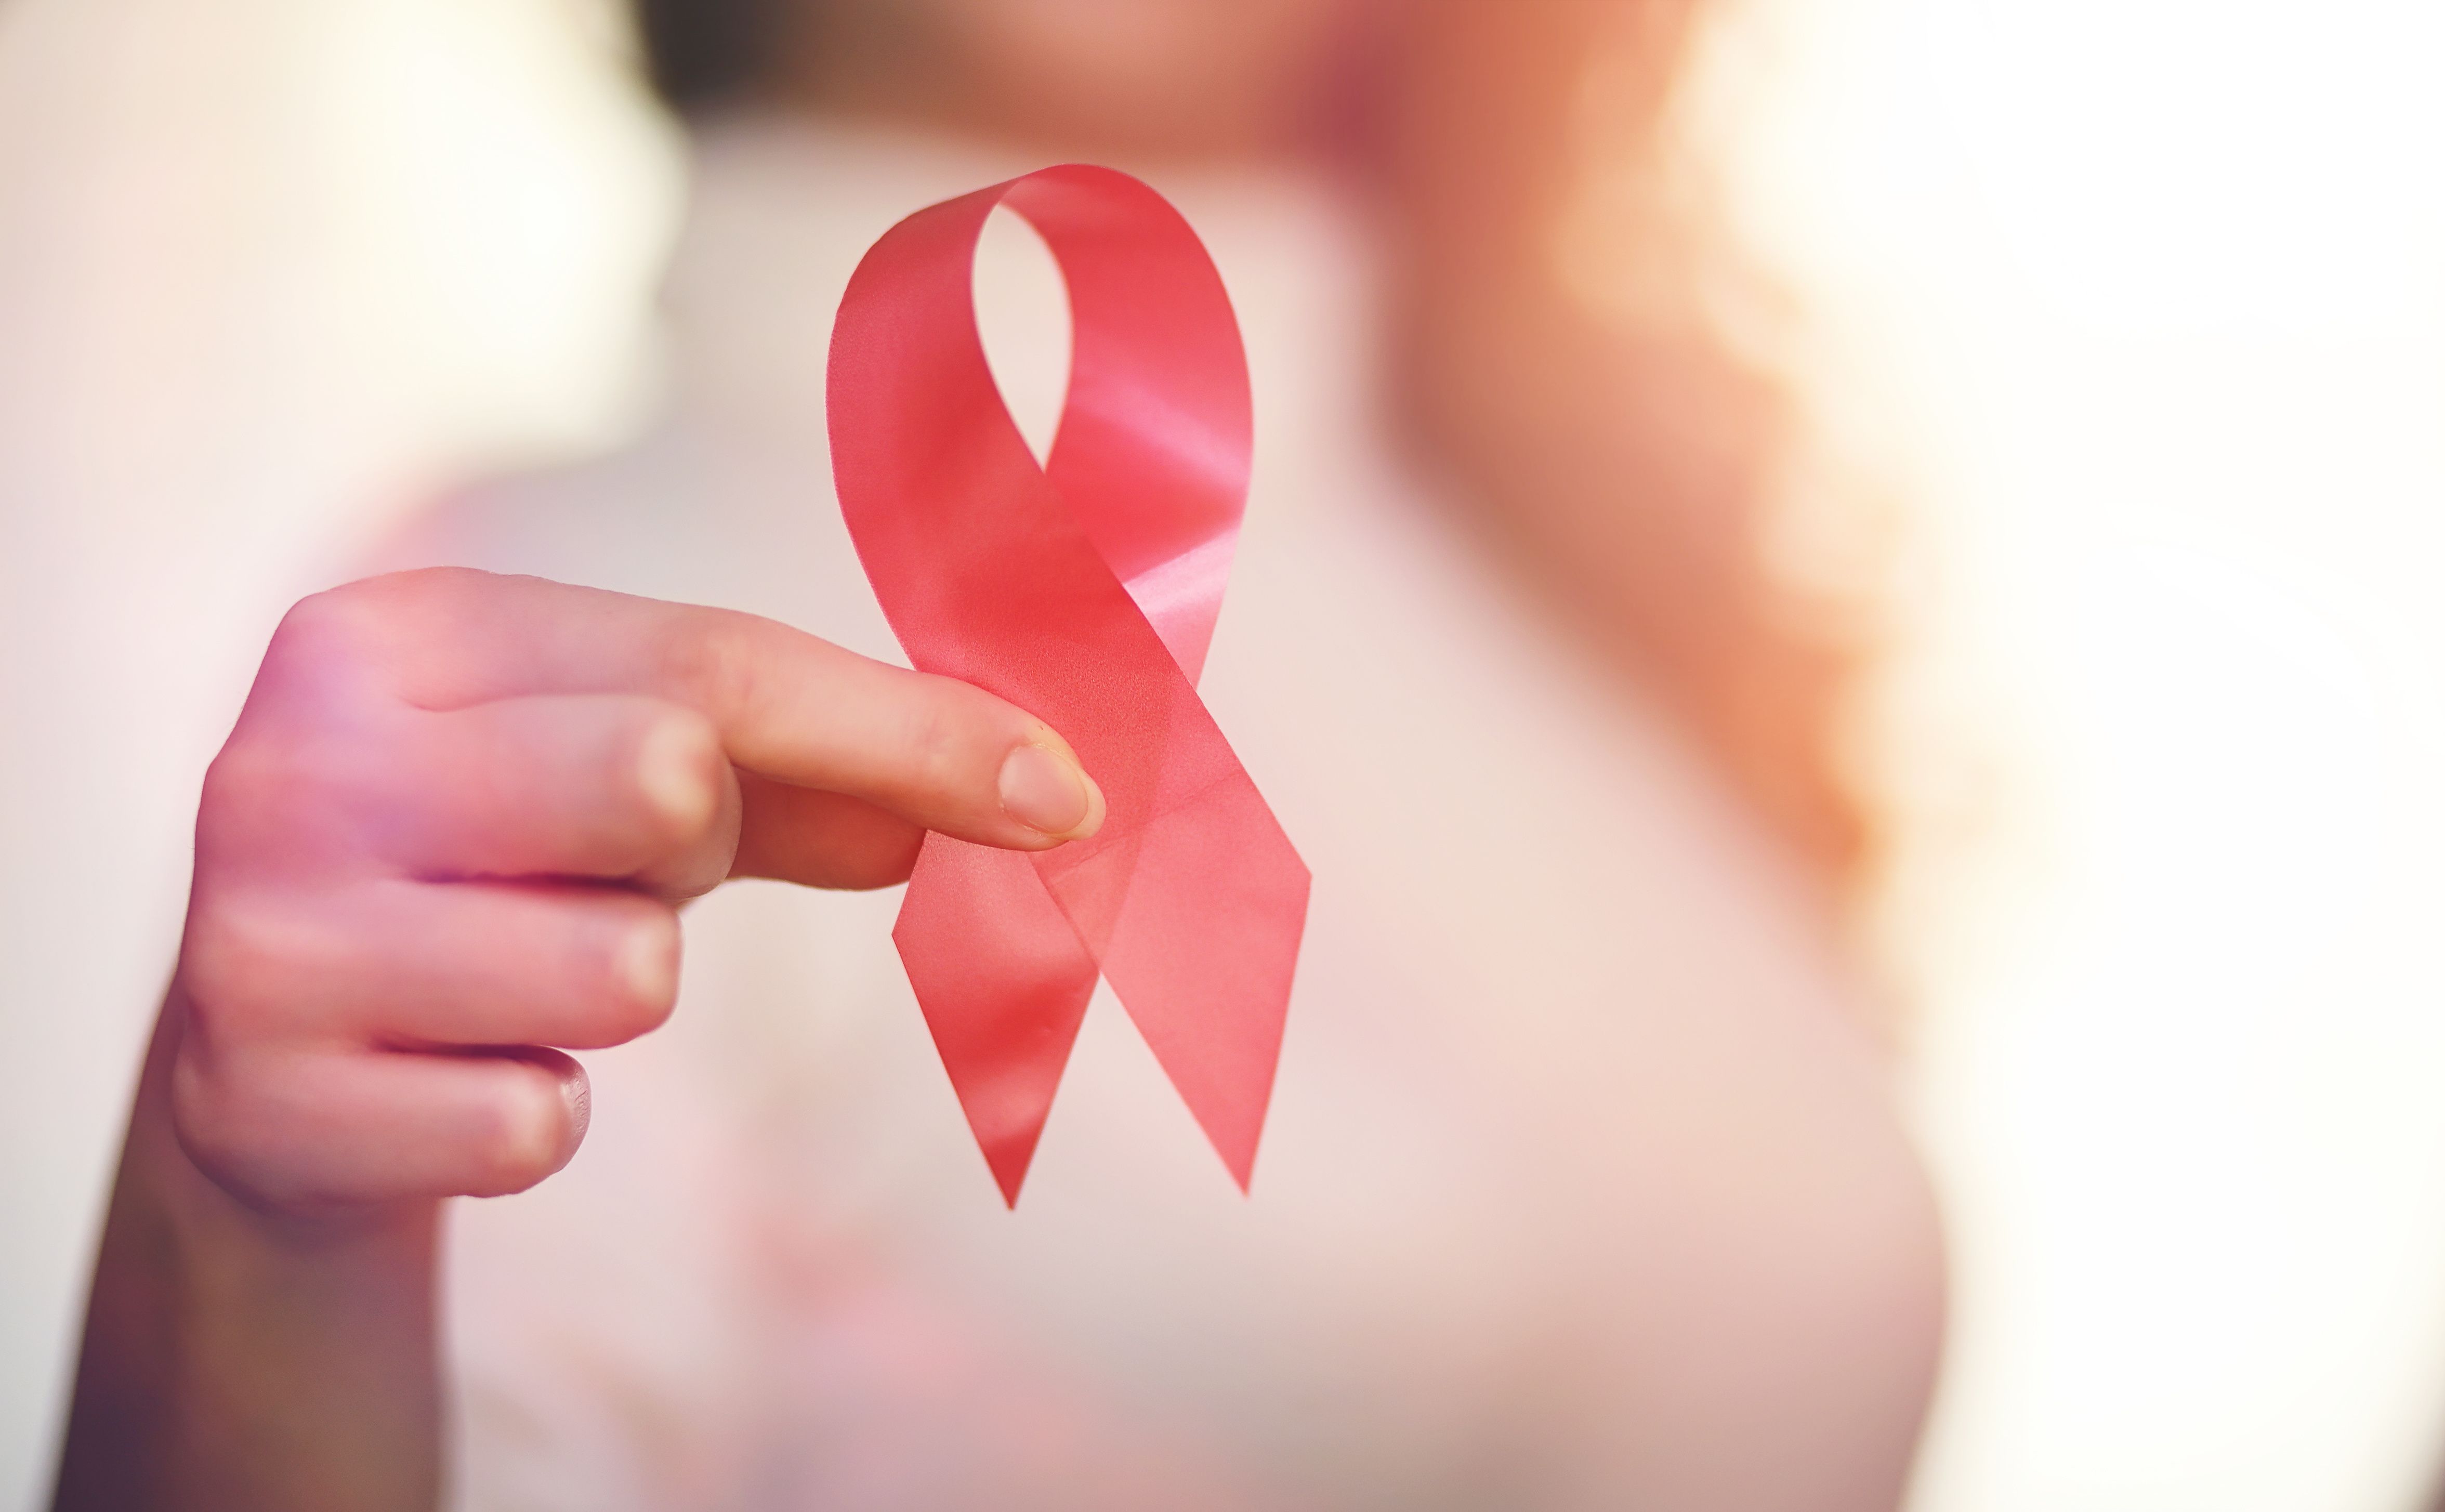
2139,304
2144,303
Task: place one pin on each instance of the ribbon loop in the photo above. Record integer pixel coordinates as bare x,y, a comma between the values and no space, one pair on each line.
1085,591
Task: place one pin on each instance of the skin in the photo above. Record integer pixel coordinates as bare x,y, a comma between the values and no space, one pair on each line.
447,842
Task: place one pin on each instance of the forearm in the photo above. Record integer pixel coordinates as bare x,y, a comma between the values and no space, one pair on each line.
235,1359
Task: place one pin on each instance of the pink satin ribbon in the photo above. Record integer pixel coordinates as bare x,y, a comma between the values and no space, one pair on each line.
1085,591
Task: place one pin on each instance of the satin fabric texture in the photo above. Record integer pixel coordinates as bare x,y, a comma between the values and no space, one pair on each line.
1085,591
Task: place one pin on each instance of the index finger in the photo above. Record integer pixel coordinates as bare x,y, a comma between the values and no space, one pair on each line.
934,751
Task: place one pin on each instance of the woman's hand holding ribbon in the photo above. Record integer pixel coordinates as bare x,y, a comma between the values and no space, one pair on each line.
443,845
446,838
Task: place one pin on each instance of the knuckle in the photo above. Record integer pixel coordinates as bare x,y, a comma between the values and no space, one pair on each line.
219,1131
705,657
287,789
251,781
336,622
356,622
726,663
237,955
717,662
230,804
938,740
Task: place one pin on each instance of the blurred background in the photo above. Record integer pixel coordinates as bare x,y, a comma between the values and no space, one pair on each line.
2127,318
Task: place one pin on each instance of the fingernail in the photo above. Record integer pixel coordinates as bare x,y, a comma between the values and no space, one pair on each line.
577,1098
1045,791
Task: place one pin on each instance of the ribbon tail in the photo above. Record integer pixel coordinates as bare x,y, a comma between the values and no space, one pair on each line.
1004,982
1197,927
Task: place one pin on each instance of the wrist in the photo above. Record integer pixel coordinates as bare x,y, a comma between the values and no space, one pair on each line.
242,1356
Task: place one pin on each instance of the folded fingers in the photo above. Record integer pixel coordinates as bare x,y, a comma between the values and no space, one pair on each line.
395,962
611,786
386,1039
301,1126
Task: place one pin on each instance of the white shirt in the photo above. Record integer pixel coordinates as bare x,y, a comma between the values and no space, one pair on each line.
1581,1185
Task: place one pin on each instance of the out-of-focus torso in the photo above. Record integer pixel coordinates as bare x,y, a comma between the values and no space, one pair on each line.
1583,1185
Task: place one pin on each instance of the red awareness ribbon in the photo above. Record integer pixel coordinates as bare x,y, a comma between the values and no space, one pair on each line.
1085,591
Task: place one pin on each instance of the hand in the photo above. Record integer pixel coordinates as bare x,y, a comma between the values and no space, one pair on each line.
445,841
